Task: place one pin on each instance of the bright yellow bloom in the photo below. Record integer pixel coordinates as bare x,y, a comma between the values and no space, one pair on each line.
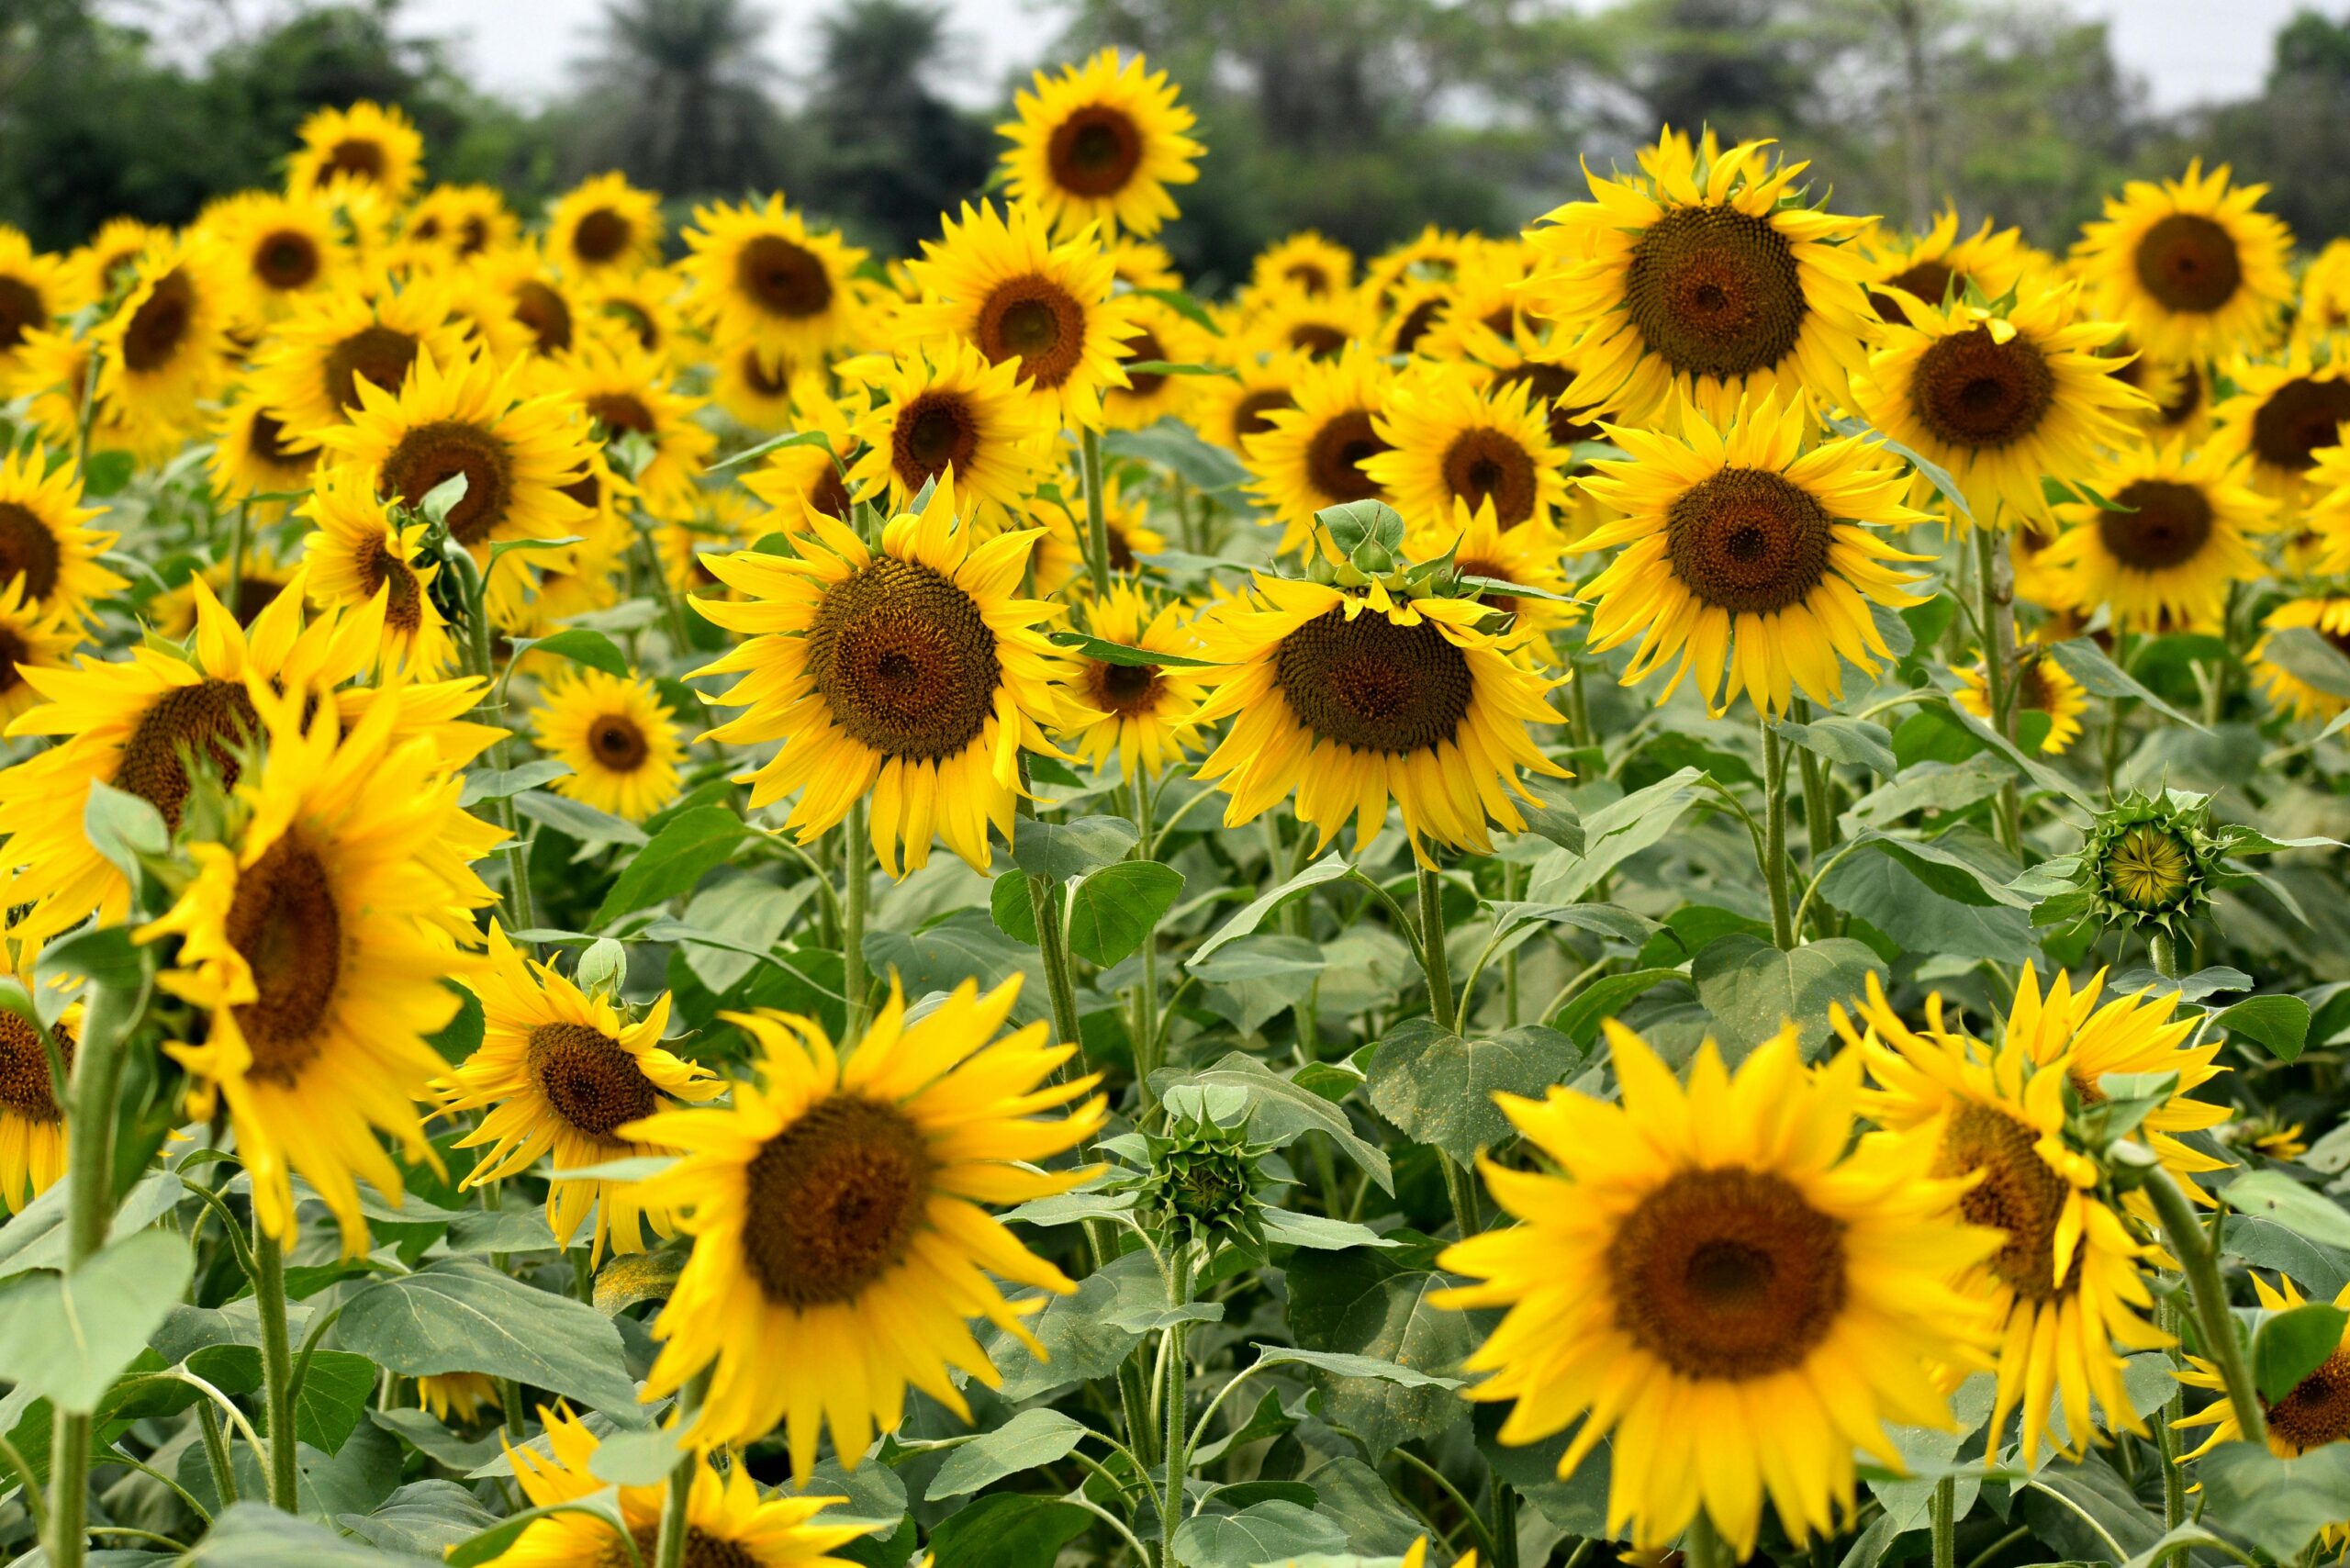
1099,144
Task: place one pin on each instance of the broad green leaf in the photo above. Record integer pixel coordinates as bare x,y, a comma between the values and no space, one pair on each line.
1006,1529
577,820
1113,909
2299,651
497,784
1608,920
1014,912
635,1459
1438,1088
694,842
1318,1232
1613,834
2273,1195
1929,902
1031,1439
459,1316
1338,1364
107,474
1282,1110
1604,998
66,1337
1103,651
1076,1330
2279,1023
2100,677
1931,787
336,1389
2290,1345
437,1442
583,645
960,948
1251,914
2276,1503
255,1535
1364,1303
1857,743
1273,1532
123,827
1066,851
1751,988
1173,445
424,1518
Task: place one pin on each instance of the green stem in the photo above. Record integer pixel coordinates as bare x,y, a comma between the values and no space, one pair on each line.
2216,1323
1504,1531
520,915
1512,886
2162,950
1994,617
237,561
1458,1190
669,1546
216,1453
277,1366
1097,521
1775,838
1147,994
1819,820
1703,1546
1052,945
857,886
1579,732
2167,1435
1944,1515
1174,1401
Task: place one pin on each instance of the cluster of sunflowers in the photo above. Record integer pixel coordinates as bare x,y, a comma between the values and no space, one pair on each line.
1022,547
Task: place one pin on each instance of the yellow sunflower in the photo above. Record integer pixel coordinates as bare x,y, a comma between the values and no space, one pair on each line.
519,303
1481,320
51,374
941,407
2329,617
760,389
2174,391
2065,1285
2042,685
2000,400
1319,326
1704,274
2325,292
279,250
1531,554
265,575
836,1214
760,275
1722,1280
2313,1413
1314,454
32,1125
367,144
729,1522
560,1072
2191,266
605,225
1452,440
1937,267
723,521
1059,568
1352,700
252,456
1229,410
1142,264
793,481
626,389
1145,710
458,1397
1000,280
308,370
100,270
2173,553
1751,559
1099,144
1418,304
640,304
2284,412
359,554
913,677
460,222
313,942
1304,260
33,293
1162,336
165,347
1432,253
622,744
46,543
29,636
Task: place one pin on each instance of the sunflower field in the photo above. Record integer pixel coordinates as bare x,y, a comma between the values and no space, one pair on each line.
1662,892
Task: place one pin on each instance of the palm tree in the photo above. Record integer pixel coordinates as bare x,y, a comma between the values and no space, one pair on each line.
888,154
677,97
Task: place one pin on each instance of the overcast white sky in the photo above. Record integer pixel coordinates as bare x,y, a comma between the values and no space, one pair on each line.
2190,50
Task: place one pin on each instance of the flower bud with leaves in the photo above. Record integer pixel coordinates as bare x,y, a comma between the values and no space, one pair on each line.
1203,1183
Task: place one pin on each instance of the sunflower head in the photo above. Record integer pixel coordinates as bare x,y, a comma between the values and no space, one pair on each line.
2191,265
2151,864
605,225
1203,1180
1099,144
368,145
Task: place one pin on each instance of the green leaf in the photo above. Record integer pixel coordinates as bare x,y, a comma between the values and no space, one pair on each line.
582,646
255,1535
1065,851
1252,913
1113,909
1006,1531
1076,1331
1103,651
435,1442
499,783
103,955
443,499
2279,1023
1615,832
1014,912
1934,474
2271,1195
1031,1439
2290,1345
491,1545
1353,524
1751,988
1186,307
577,820
501,548
1282,1111
2276,1503
694,843
1272,1531
107,474
1857,743
123,827
1906,889
965,946
773,444
1931,785
1438,1088
335,1391
1174,445
1364,1303
457,1314
1338,1364
1611,921
635,1459
66,1337
2299,651
1604,998
424,1518
2100,677
1318,1232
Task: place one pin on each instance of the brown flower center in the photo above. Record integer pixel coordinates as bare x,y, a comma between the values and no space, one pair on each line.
2018,1194
27,1090
620,411
1728,1274
600,235
1249,414
160,325
545,312
404,601
356,155
433,453
1416,322
1307,276
1748,541
266,440
1547,384
2317,1411
287,259
2190,263
254,594
935,430
2170,527
1714,291
649,334
1129,691
20,308
1334,458
616,743
1094,152
833,1201
1484,464
1034,319
589,1079
1318,340
286,923
381,354
1930,280
1145,345
12,653
28,550
904,660
703,1549
1375,686
2301,417
1470,567
206,721
784,279
765,382
1971,391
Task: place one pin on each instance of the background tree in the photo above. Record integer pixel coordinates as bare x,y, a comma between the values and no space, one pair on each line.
678,98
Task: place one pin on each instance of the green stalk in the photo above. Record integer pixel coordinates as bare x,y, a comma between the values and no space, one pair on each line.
1459,1192
520,915
1052,945
1775,838
277,1366
2162,951
1702,1546
215,1453
1946,1522
1174,1400
1818,818
1994,617
2165,1433
1097,522
1147,994
669,1546
237,560
857,886
2217,1324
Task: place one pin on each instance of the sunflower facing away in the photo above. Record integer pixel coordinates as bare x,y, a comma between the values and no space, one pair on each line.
560,1072
359,552
1145,710
2313,1412
760,277
837,1212
1704,274
915,677
47,546
2330,619
1449,441
1350,700
1315,451
33,1125
1721,1279
729,1523
2065,1286
2042,685
2191,266
622,744
1099,144
2175,554
942,407
604,225
312,944
366,144
1751,559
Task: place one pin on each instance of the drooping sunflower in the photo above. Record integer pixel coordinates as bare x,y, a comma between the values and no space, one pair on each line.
2174,552
458,1397
2313,1413
1145,710
33,293
837,1212
1352,700
1938,267
252,456
626,389
1099,144
32,636
1702,273
1304,260
279,250
2042,685
913,675
360,552
729,1523
46,543
367,144
760,277
308,370
1001,280
2192,266
312,942
2000,400
1720,1278
1314,454
622,744
2330,619
603,225
1059,568
2284,412
33,1125
1229,410
165,347
460,222
560,1072
941,406
2065,1285
1752,560
1452,440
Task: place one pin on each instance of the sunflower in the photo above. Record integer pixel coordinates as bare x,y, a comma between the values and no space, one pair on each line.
639,304
2313,1413
622,744
1304,260
999,280
913,677
605,225
1418,304
2173,553
460,222
1352,700
2000,400
1748,557
521,304
309,369
2283,413
579,579
627,390
1481,320
1145,710
1143,265
32,1125
367,144
941,407
1099,144
1531,553
279,250
461,1395
312,943
1432,253
1938,268
361,553
2325,292
2191,266
724,521
2174,391
1720,1277
2065,1285
1162,336
2042,685
837,1222
1315,452
760,275
252,456
762,390
729,1523
1705,275
1452,440
1059,568
46,544
33,293
2330,619
265,575
793,481
28,636
100,270
560,1072
51,374
1319,326
165,347
1229,410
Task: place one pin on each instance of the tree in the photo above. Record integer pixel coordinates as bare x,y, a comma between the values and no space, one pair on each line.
884,155
2296,135
676,97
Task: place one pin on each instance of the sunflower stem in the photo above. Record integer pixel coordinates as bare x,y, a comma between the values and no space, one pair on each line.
1702,1546
1097,520
236,593
1994,617
1173,1401
1147,993
856,879
2165,1433
1944,1517
2162,950
519,915
1819,819
1433,962
216,1453
1775,838
2216,1324
676,1499
277,1365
